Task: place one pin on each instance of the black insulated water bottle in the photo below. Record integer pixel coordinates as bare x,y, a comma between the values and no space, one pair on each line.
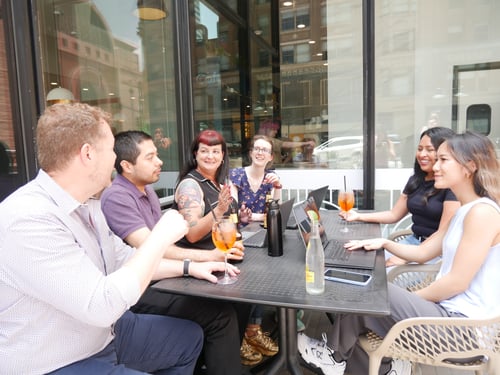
274,232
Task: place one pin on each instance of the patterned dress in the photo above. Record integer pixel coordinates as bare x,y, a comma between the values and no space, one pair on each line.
256,201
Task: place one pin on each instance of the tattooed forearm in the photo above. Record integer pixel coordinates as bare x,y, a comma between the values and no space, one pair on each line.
189,198
190,218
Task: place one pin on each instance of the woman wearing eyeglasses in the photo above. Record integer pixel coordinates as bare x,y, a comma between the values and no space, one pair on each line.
251,184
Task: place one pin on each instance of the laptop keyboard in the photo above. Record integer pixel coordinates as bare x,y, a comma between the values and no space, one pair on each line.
335,250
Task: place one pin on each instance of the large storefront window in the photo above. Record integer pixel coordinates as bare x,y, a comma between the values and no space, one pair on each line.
299,71
105,54
270,74
293,70
436,66
219,101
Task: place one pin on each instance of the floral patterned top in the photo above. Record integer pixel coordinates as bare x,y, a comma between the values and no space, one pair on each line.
256,201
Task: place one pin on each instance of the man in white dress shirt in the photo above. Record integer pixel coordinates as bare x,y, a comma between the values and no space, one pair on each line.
67,281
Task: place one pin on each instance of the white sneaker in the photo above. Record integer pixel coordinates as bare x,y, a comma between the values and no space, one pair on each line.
316,354
400,367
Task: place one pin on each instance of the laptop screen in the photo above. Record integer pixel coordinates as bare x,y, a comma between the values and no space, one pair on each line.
286,210
318,195
304,222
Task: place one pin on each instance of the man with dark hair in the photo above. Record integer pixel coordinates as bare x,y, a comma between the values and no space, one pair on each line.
67,282
132,208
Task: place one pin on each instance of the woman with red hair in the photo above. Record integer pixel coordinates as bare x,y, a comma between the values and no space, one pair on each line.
201,189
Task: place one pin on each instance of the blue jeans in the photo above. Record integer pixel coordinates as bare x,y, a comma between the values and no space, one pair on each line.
257,314
145,344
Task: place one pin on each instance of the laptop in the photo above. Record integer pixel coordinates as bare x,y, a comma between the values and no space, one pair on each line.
318,195
259,238
335,253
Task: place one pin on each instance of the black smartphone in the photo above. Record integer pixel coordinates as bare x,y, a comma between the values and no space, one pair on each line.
349,277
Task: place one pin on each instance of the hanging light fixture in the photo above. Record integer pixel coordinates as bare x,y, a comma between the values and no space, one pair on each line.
151,10
60,95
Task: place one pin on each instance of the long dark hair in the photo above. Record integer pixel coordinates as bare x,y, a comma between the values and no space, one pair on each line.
437,135
210,138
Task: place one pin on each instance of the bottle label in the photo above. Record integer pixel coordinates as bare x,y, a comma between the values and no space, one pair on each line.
234,218
309,275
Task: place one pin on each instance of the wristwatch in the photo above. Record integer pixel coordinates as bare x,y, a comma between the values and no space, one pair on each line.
186,267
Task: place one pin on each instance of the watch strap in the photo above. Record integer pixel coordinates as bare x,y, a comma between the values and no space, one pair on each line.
186,267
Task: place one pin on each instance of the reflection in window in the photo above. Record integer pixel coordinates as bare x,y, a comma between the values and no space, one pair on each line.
479,118
288,55
303,53
287,21
107,57
299,19
302,19
296,94
9,169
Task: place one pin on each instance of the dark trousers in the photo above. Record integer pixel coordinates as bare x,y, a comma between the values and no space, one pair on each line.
145,344
223,325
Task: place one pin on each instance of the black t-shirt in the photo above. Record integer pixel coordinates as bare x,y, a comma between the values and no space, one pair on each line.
426,213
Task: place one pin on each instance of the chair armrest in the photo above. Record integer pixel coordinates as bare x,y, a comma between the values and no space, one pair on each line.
398,235
413,276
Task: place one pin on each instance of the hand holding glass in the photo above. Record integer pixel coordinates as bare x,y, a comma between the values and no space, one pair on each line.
346,203
224,237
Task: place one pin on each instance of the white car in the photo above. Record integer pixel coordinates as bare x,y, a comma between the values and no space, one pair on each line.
340,152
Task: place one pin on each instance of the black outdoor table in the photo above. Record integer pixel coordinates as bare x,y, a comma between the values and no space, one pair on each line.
280,282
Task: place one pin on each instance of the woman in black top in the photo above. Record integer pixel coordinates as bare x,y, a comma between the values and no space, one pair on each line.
430,207
201,188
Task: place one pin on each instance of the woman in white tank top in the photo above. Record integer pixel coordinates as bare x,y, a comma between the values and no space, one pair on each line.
467,284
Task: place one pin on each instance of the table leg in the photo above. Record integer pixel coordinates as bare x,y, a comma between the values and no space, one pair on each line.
279,361
292,352
287,356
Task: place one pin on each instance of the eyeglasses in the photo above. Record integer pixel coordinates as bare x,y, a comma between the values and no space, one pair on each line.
261,150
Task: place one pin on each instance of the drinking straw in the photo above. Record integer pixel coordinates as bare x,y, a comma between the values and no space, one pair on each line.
212,211
345,185
217,224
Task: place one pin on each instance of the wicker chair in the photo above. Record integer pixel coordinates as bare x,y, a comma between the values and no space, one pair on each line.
456,343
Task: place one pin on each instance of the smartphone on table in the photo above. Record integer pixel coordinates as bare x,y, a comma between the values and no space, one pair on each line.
349,277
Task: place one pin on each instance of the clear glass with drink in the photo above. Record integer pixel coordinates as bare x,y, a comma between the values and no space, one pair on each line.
346,203
224,237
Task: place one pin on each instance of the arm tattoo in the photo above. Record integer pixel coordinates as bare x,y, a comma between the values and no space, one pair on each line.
189,198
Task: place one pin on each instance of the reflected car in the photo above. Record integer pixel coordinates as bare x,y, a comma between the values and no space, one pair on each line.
340,152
